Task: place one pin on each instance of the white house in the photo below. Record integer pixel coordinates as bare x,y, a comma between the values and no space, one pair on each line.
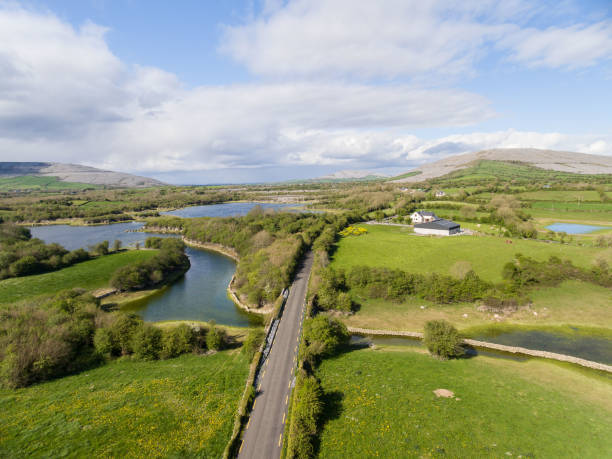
439,227
422,216
439,194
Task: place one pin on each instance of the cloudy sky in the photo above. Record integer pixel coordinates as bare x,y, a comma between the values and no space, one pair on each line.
243,91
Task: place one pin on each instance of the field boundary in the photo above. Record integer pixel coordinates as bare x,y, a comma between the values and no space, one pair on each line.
494,346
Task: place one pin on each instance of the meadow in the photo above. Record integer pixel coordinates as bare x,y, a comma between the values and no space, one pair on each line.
28,182
395,247
573,302
182,407
380,403
89,275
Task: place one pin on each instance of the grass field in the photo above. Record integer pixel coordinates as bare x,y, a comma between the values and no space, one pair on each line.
89,275
180,407
28,182
573,302
498,170
561,196
393,247
382,405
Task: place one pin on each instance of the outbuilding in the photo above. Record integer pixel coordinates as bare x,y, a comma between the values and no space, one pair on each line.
439,227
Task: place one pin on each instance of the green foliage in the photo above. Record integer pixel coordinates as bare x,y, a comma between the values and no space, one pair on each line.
442,339
178,340
305,417
323,336
20,255
216,339
170,260
253,342
90,274
147,342
43,341
122,329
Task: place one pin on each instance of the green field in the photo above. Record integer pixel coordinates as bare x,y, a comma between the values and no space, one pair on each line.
28,182
560,196
573,302
182,407
89,275
506,171
393,247
381,404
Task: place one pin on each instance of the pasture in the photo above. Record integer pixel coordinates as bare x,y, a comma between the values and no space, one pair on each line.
90,274
394,247
380,403
573,302
182,407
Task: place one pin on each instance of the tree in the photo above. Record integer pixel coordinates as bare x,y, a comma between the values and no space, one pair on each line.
146,342
442,339
117,245
215,338
177,340
324,335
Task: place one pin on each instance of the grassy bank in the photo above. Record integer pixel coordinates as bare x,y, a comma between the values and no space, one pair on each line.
380,403
572,302
394,247
89,275
180,407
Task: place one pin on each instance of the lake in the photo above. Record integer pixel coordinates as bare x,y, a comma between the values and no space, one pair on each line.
575,228
201,294
230,209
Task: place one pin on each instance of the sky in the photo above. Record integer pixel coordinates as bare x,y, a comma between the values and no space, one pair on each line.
197,92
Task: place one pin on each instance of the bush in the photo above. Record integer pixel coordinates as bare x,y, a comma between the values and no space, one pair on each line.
146,342
324,336
177,340
122,329
215,338
103,342
252,342
442,339
305,414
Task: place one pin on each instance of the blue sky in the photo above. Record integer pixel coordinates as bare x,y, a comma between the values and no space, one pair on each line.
214,92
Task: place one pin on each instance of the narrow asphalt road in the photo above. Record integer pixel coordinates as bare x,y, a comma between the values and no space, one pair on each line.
264,432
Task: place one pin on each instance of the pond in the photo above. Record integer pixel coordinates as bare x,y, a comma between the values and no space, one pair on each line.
575,228
200,295
597,349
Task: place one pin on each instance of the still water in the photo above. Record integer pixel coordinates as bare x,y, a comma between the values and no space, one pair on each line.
575,228
201,294
230,209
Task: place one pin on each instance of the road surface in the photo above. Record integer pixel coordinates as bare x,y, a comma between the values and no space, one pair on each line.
264,432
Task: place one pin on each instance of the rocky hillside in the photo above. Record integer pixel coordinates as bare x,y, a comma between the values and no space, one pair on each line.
75,173
564,161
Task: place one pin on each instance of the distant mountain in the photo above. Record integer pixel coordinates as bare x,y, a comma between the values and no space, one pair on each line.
563,161
75,173
353,175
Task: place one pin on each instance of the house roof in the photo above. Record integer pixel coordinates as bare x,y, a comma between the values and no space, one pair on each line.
440,224
425,213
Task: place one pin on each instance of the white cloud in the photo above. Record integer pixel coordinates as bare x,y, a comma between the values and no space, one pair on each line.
571,47
408,38
68,98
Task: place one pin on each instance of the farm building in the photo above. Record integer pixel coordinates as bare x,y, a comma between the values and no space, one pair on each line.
439,194
422,216
439,227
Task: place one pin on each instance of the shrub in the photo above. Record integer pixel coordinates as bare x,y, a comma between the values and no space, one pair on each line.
146,342
122,329
177,340
215,338
103,342
252,342
324,336
305,415
442,339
